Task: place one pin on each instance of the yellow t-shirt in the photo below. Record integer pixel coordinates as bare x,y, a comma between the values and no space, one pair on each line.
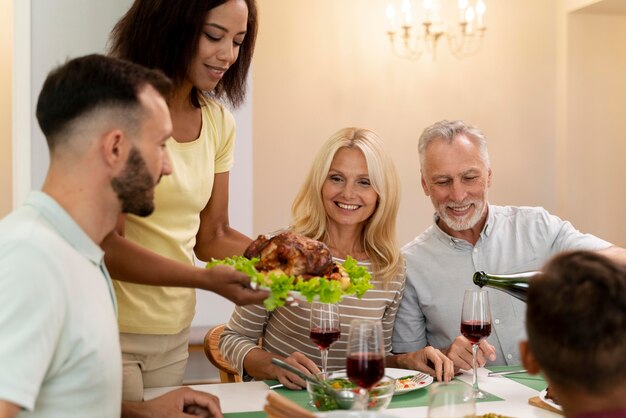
171,230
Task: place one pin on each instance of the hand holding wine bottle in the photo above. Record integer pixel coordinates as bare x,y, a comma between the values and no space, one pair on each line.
515,285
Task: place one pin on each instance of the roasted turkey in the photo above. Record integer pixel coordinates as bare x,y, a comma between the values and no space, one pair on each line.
293,254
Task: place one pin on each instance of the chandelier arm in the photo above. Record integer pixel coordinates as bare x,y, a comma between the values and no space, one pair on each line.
408,51
469,45
467,42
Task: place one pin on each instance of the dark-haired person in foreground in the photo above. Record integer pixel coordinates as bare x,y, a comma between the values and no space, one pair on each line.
576,324
106,122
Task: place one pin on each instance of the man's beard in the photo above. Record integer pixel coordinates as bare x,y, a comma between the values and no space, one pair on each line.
466,222
134,186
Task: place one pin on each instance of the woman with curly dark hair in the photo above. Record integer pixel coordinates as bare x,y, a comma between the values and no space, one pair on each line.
205,47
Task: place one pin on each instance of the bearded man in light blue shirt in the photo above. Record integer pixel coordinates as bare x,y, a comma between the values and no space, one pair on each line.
471,235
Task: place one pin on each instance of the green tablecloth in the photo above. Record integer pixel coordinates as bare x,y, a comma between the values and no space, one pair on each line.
535,382
411,399
259,414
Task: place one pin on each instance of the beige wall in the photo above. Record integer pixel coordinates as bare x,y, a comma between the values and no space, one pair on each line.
323,65
595,194
6,52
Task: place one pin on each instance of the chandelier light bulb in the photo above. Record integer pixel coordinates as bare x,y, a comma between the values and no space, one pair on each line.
406,12
428,9
480,11
480,7
462,6
406,6
391,18
469,14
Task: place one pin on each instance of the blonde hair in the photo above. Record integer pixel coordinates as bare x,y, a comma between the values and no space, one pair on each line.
379,235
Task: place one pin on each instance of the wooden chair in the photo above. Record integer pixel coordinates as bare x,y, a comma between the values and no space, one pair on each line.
228,374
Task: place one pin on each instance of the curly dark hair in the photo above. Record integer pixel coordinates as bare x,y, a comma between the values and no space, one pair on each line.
164,34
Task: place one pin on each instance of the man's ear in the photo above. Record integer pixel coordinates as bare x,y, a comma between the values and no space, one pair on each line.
424,186
528,359
489,177
114,147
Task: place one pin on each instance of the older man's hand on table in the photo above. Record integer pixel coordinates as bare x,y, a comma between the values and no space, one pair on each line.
460,352
429,360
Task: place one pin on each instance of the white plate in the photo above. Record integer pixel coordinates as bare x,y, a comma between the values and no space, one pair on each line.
293,298
297,296
353,414
550,402
398,373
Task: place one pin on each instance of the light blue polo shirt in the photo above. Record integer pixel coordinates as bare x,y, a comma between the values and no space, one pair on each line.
440,269
59,342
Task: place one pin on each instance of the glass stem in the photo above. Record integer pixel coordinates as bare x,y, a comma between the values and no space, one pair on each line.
324,353
475,367
363,401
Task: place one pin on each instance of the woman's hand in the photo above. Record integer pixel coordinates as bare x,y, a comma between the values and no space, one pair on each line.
233,285
301,362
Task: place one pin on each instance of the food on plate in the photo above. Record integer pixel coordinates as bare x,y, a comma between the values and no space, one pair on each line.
406,383
345,383
344,393
492,415
401,383
293,254
289,262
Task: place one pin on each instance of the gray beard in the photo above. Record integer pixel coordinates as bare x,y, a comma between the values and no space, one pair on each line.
465,223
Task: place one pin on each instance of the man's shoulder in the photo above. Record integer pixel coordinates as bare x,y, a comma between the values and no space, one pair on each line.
516,210
20,224
33,257
518,213
25,230
420,241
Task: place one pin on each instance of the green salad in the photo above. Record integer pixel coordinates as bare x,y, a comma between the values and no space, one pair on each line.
327,401
280,285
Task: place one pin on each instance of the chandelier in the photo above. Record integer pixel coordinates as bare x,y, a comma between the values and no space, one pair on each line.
411,41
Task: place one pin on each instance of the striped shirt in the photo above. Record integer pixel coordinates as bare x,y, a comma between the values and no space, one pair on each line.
286,329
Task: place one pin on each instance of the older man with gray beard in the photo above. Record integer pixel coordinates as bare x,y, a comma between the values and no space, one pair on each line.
471,235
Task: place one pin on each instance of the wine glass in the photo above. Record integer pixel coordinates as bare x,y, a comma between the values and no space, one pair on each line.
476,325
324,328
365,363
453,399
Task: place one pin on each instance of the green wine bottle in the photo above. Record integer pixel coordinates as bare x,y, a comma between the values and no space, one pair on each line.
515,285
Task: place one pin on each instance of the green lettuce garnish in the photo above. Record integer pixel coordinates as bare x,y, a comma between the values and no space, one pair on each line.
280,284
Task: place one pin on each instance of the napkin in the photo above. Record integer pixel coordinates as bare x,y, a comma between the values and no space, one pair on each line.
278,406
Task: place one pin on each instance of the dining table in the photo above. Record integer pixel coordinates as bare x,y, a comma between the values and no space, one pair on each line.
508,395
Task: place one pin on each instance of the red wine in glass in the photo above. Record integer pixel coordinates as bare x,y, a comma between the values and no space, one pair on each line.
475,330
323,338
365,359
475,326
365,369
324,327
